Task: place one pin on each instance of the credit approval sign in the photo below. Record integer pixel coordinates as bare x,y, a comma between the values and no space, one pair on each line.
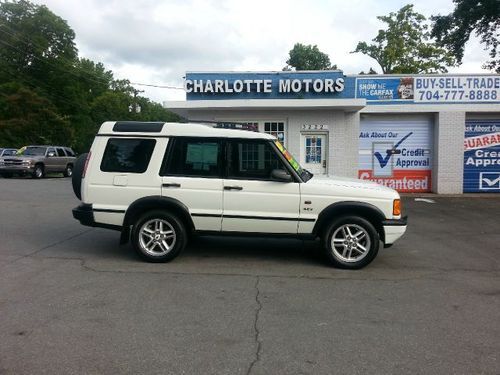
397,154
482,156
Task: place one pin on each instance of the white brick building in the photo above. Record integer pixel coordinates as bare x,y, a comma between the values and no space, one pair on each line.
407,132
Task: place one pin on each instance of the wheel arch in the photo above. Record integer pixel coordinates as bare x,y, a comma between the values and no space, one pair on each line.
156,202
364,210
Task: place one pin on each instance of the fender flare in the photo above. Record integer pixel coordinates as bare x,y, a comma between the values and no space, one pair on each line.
154,202
366,210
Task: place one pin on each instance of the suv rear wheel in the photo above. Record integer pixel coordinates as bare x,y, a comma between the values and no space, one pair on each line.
351,242
158,236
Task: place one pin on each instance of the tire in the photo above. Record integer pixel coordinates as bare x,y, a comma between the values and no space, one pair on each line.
175,236
76,178
351,242
68,172
38,172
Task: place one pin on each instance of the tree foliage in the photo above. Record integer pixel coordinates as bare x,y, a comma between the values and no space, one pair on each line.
308,57
48,93
405,46
482,17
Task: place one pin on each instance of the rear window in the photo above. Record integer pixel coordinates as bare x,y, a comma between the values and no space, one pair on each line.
131,155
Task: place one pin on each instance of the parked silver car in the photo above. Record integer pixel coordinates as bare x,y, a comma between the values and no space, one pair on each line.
7,152
39,160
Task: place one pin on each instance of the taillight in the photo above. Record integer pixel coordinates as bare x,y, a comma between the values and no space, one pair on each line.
86,164
396,207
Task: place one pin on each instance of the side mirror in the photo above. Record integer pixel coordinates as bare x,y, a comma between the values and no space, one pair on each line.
281,175
51,154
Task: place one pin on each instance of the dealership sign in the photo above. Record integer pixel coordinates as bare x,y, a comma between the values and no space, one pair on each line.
267,85
429,89
482,156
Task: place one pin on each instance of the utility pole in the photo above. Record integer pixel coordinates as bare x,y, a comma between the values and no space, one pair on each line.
134,107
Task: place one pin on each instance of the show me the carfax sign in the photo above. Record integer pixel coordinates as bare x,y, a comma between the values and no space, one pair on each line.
429,89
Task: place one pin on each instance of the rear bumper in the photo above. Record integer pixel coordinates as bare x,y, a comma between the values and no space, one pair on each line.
84,213
394,229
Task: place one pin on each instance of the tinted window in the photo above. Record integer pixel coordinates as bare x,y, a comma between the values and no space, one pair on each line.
127,155
252,160
60,152
194,157
33,151
69,152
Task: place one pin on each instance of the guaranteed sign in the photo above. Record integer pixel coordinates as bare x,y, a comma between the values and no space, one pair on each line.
482,156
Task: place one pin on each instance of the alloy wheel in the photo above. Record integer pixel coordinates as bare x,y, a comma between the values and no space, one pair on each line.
350,242
157,237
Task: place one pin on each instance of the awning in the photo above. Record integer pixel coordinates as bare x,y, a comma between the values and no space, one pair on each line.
185,108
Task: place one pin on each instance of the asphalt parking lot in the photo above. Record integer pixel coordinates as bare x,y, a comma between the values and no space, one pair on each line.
73,301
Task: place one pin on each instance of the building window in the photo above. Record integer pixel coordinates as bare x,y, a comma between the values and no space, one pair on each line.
276,129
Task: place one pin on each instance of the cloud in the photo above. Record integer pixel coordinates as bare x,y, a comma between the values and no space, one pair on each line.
157,42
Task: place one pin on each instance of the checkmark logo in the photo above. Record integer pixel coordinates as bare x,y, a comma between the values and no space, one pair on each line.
383,160
489,180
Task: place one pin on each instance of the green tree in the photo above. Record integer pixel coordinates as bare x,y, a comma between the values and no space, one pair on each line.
26,117
308,57
405,46
482,17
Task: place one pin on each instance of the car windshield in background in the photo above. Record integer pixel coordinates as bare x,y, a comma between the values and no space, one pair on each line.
304,174
32,151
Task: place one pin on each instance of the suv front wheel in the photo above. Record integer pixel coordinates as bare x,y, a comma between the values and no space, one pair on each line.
158,236
351,242
38,172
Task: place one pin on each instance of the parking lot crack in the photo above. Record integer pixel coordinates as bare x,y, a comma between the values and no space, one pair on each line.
51,245
258,342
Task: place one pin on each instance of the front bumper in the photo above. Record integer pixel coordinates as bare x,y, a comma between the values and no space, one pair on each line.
394,229
18,168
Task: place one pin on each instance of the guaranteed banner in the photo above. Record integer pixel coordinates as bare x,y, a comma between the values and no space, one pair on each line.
396,153
482,156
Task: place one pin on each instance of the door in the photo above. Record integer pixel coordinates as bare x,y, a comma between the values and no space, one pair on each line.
51,160
62,159
314,153
396,151
253,201
193,176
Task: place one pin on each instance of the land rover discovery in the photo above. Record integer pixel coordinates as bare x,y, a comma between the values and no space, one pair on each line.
159,183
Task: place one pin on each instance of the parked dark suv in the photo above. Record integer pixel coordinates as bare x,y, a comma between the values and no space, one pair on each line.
39,160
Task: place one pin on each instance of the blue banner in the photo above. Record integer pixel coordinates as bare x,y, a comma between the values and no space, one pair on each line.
269,85
482,156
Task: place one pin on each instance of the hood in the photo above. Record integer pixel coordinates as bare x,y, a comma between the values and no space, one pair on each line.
337,185
21,158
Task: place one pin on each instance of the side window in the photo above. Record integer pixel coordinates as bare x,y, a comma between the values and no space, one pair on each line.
69,152
130,155
194,157
60,152
252,160
51,152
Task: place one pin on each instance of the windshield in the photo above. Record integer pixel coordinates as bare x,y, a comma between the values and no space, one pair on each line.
32,151
304,174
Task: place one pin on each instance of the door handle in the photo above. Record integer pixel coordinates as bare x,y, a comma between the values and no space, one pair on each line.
233,188
171,185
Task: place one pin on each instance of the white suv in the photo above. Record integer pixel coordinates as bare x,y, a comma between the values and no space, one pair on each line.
159,183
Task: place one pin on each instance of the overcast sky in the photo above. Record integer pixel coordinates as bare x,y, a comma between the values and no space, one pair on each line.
157,41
